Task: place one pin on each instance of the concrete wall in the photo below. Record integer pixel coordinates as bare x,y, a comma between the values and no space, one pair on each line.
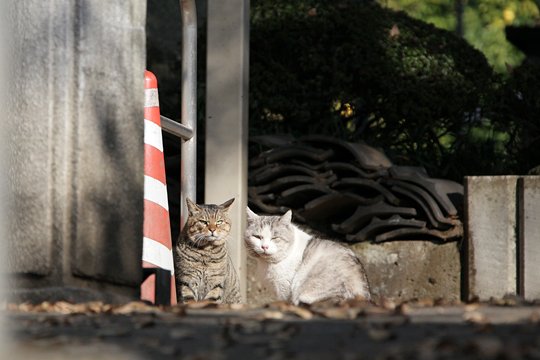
406,270
503,236
529,232
75,154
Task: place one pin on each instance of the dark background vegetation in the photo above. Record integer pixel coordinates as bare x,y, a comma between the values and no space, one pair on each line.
359,70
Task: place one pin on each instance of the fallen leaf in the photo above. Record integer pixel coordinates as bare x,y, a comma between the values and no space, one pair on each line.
201,305
388,304
98,307
300,312
534,318
285,307
403,309
376,310
339,313
472,307
237,306
270,315
475,317
135,307
425,302
63,307
178,309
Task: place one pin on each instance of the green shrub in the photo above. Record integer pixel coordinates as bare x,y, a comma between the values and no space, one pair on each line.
354,70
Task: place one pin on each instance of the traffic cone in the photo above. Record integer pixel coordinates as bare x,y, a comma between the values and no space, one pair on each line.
158,285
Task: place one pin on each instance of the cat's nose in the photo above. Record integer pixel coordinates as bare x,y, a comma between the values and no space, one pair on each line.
264,247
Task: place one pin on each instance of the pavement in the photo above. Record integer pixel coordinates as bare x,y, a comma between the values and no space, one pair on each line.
346,330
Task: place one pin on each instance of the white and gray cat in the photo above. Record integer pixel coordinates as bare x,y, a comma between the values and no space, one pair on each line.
299,267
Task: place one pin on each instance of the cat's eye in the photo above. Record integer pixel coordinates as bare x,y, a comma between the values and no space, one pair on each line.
204,222
257,237
219,222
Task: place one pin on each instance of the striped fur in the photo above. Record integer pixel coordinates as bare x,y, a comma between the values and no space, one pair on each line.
299,267
204,270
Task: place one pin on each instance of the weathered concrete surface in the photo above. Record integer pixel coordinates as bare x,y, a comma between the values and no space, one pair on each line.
75,148
31,112
405,270
108,204
490,221
454,332
256,292
398,270
529,218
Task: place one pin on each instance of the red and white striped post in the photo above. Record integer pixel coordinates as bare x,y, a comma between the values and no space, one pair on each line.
157,256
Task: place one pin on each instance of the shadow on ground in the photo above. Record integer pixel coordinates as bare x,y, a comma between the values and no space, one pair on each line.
275,331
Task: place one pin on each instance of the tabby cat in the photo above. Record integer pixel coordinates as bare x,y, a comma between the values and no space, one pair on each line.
299,267
204,270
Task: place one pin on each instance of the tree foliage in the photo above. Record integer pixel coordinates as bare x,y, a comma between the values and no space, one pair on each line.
483,23
360,71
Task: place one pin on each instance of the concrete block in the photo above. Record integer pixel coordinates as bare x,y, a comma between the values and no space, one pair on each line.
30,128
108,140
529,234
397,270
75,152
490,221
406,270
256,293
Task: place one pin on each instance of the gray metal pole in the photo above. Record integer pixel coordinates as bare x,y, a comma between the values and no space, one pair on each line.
188,172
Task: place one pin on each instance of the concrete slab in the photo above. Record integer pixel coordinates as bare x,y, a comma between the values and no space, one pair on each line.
529,225
405,270
458,332
107,138
31,113
75,144
490,218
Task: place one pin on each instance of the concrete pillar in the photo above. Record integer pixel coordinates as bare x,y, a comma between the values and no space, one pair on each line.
227,116
75,159
529,236
503,236
490,221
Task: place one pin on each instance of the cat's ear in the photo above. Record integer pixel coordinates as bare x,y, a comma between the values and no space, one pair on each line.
250,214
287,217
192,207
226,204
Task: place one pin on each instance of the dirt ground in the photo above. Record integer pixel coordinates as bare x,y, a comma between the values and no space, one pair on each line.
346,330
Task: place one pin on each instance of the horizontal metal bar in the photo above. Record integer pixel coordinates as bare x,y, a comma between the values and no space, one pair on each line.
175,128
